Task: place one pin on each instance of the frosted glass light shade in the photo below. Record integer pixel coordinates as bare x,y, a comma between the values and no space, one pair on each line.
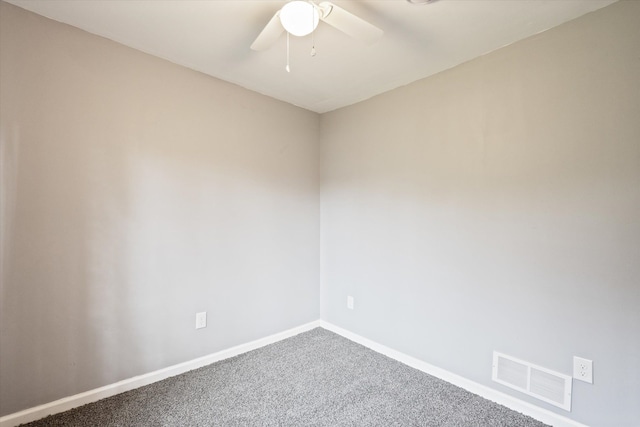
299,17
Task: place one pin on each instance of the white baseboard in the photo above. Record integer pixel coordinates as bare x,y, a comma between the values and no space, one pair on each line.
510,402
80,399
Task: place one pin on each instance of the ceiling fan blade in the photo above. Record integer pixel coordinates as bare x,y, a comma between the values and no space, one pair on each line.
269,34
349,23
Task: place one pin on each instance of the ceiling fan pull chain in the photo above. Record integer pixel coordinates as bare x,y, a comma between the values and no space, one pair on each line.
313,36
287,67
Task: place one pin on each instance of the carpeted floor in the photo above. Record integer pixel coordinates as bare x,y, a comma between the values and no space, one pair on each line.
316,378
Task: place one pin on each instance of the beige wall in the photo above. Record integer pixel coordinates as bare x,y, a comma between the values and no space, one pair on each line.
135,193
496,206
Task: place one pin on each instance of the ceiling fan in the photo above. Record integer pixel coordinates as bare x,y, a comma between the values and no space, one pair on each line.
301,17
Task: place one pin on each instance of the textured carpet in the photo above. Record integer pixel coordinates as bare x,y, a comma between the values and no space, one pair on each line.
316,378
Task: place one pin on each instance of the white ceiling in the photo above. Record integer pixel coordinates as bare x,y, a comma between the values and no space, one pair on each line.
214,37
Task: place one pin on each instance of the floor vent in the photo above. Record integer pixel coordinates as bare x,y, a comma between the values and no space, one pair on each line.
541,383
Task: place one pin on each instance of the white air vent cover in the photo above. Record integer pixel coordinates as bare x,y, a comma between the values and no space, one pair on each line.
541,383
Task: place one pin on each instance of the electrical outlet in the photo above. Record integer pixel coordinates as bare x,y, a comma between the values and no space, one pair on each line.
350,302
201,320
583,369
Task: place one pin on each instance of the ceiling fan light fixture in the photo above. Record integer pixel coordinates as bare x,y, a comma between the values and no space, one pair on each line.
420,1
299,17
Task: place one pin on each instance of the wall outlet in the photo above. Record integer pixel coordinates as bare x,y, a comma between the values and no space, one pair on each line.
583,369
350,302
201,320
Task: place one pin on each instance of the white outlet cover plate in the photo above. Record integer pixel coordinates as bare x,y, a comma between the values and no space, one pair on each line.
201,320
350,302
583,369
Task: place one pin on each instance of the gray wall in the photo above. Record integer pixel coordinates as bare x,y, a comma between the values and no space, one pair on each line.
492,206
134,193
496,206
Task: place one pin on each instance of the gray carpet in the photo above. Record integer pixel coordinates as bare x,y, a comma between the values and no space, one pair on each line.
316,378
